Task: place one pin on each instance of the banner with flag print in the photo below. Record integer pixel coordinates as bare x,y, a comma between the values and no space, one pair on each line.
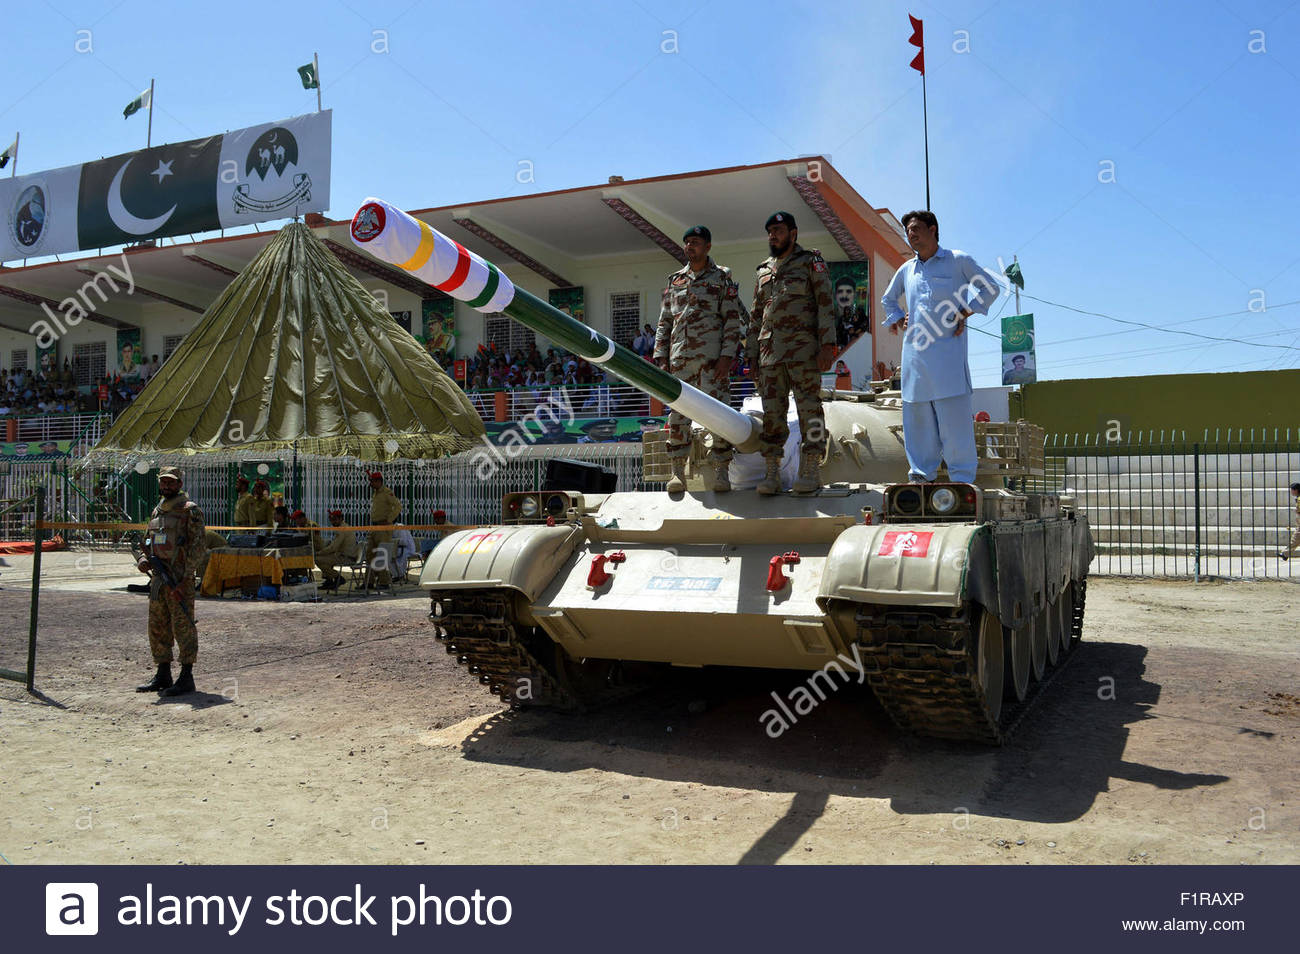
272,171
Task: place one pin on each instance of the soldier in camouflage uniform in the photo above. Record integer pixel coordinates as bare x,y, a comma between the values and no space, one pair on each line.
699,331
175,538
792,332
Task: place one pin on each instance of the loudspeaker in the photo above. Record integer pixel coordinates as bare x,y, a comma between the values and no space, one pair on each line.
580,476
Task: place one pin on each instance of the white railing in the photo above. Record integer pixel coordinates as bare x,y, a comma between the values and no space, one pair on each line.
587,400
36,429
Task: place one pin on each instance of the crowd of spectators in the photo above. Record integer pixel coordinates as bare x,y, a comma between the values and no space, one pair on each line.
492,369
25,393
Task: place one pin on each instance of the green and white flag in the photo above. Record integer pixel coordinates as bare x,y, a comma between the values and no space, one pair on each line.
307,73
1014,274
8,154
143,101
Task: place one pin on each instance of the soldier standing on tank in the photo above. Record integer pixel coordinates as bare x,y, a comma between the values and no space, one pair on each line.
697,339
173,546
385,508
793,327
939,289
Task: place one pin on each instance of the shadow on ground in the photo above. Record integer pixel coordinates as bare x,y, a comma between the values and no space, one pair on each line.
1067,748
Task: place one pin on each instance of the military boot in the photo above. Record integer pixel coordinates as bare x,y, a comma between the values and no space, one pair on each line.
184,682
771,482
721,479
810,473
677,483
162,680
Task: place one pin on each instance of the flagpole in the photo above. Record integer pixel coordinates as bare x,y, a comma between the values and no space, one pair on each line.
14,171
315,65
149,135
925,122
1014,260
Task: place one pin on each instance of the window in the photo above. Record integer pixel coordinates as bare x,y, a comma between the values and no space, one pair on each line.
18,359
507,334
170,344
624,317
89,362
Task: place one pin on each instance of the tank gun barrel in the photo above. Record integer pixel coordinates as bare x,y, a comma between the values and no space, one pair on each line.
398,239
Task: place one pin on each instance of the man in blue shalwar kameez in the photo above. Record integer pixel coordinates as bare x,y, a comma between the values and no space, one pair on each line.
931,297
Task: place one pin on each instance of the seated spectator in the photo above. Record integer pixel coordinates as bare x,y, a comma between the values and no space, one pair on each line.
404,545
300,520
340,550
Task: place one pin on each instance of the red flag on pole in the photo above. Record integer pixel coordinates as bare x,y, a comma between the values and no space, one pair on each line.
917,40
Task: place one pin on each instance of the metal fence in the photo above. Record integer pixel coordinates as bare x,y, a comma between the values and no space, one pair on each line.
467,487
1160,504
1164,504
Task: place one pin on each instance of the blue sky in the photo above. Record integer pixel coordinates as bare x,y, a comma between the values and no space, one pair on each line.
1194,103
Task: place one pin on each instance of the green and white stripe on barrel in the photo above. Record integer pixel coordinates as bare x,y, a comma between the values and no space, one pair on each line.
394,237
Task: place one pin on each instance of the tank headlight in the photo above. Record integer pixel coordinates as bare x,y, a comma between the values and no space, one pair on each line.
555,505
907,501
943,501
528,506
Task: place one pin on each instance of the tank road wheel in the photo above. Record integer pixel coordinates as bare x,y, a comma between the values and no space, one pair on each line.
990,662
1041,634
1078,596
1017,642
1052,619
1064,610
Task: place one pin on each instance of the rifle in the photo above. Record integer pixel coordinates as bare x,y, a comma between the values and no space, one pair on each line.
165,577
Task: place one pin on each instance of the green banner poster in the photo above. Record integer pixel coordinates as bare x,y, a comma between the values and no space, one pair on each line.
438,327
1019,362
571,301
47,359
851,288
129,353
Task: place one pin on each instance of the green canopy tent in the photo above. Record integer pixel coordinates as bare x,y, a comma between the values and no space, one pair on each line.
296,355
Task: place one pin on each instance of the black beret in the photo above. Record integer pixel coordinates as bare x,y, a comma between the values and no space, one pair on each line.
701,230
780,218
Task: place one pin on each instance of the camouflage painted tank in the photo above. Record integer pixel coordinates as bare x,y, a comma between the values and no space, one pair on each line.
956,601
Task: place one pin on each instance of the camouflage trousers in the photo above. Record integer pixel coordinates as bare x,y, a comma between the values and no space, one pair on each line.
168,624
775,381
700,375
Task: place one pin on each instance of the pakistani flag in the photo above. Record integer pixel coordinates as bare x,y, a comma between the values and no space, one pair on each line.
8,154
1013,272
143,101
307,73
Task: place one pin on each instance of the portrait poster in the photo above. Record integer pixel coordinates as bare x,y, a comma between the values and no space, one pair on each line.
438,325
1019,360
129,353
851,298
47,359
571,301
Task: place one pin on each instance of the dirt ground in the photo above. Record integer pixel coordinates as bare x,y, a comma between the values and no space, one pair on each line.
341,732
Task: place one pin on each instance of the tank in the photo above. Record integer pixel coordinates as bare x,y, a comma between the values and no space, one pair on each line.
955,602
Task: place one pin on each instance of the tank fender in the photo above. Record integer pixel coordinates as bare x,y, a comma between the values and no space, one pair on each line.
1083,550
524,558
908,565
1018,556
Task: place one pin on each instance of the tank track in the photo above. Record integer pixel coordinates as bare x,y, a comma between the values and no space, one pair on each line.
921,668
478,627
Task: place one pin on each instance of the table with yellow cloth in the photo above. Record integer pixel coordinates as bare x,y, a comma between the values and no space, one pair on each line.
228,565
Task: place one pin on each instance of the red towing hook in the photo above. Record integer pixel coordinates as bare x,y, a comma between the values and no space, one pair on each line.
776,580
598,575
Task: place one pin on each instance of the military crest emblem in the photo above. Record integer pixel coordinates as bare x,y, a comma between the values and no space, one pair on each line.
266,168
